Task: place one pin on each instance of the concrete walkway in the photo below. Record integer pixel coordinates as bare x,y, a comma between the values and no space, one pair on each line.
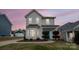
15,41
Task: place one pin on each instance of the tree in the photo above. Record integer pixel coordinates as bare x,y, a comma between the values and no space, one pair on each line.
56,35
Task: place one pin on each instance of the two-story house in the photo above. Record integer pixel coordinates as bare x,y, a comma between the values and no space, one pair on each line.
36,24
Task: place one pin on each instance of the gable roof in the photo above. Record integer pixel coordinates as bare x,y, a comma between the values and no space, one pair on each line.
33,11
6,18
39,14
77,27
68,26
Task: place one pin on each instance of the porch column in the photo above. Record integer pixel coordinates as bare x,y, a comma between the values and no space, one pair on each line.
50,35
67,37
73,36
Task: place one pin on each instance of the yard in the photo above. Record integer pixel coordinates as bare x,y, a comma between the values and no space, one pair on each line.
5,38
58,45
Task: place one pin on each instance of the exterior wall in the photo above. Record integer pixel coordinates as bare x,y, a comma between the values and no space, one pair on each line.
42,21
5,26
38,35
19,34
50,20
34,15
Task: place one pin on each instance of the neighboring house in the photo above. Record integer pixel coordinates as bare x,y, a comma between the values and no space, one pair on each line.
68,31
5,25
18,33
36,24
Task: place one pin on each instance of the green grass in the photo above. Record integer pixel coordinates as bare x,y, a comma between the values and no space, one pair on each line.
59,45
4,38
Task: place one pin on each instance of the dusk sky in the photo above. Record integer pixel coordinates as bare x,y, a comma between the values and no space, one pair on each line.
17,16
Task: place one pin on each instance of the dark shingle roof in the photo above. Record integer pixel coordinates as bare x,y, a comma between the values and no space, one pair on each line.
50,26
49,17
38,14
33,26
6,18
33,11
68,26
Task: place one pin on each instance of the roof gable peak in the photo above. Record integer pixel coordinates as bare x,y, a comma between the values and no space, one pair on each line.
32,12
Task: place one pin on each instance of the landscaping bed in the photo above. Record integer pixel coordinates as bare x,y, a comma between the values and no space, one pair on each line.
58,45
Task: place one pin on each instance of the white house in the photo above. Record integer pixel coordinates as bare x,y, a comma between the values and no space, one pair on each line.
36,25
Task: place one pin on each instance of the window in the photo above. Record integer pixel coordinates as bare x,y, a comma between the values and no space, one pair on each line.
37,20
32,33
47,21
30,20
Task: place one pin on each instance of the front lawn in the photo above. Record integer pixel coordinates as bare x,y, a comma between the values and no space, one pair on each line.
59,45
5,38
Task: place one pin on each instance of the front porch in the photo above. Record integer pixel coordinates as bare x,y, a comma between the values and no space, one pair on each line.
72,36
47,30
44,32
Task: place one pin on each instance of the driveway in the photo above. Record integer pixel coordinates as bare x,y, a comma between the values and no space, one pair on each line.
15,41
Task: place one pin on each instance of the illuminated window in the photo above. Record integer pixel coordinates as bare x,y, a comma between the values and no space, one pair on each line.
47,21
30,20
37,20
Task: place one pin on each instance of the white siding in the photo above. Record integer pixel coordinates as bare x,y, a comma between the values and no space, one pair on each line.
34,16
51,21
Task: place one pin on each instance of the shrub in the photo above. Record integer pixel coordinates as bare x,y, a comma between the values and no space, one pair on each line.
31,39
56,35
38,39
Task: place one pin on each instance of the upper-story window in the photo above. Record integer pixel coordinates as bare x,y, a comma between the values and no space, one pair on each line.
30,20
47,21
37,20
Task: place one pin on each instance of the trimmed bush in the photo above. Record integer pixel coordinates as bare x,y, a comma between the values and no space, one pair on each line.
38,39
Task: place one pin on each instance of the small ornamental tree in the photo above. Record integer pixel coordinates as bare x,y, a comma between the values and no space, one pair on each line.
56,35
